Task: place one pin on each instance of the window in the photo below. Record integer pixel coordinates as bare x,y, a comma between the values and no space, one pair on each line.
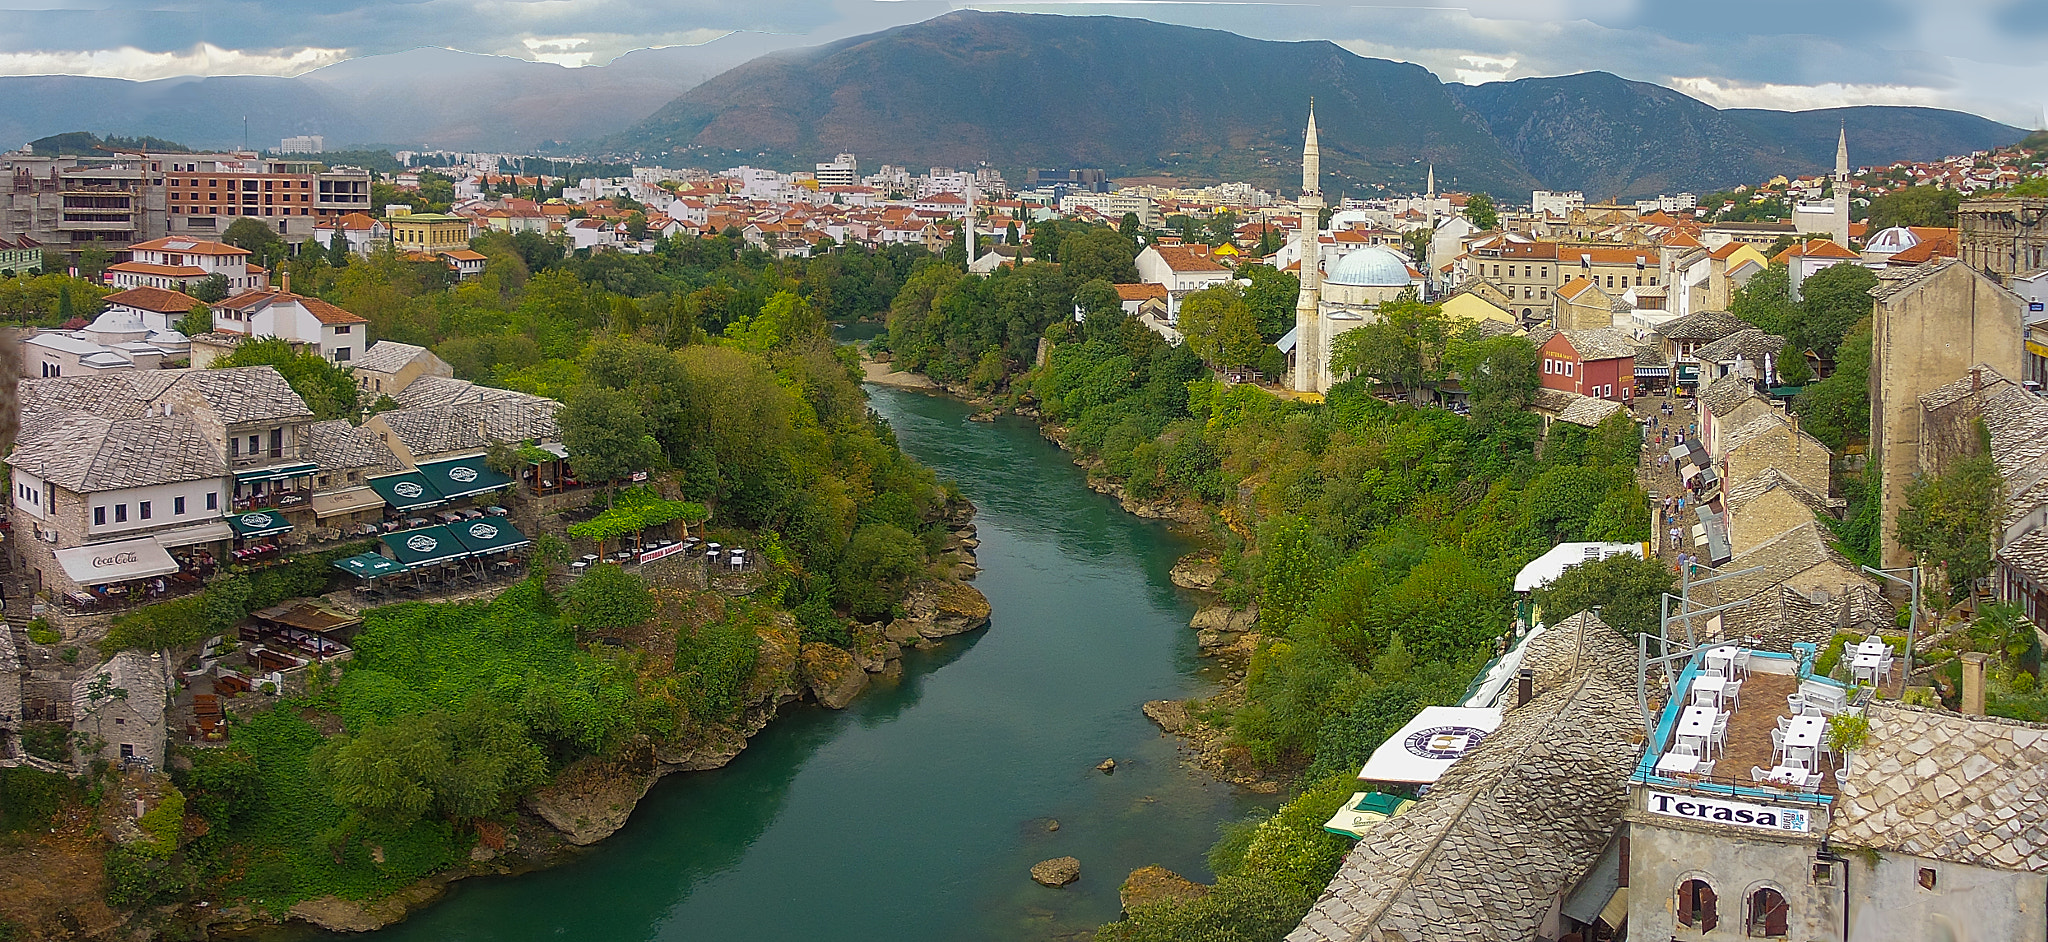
277,443
213,500
99,516
341,328
143,509
120,513
341,354
1926,878
255,445
1768,915
1696,906
177,506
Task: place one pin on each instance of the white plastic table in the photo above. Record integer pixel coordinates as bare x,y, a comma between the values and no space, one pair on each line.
1721,660
1695,723
1803,735
1864,665
1678,763
1708,684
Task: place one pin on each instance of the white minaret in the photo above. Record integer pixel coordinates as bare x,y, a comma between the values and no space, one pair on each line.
1310,351
1841,227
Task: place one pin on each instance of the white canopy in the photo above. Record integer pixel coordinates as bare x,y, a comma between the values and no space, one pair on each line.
101,563
1563,556
1438,736
209,532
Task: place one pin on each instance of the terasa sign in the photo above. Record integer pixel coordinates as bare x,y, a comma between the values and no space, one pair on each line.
1737,813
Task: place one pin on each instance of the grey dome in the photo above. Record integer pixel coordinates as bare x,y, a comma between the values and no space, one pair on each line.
1372,267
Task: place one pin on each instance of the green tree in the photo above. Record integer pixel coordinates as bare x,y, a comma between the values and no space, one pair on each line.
1627,589
1792,368
337,249
1925,205
1499,375
1479,209
1837,409
329,390
1045,240
608,598
1292,564
1765,302
211,289
1831,301
1219,326
197,321
65,310
263,242
93,261
1128,227
1099,252
1950,518
1404,348
1272,296
1100,306
606,434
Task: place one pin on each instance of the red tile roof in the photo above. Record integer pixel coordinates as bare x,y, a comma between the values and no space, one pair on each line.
160,300
187,246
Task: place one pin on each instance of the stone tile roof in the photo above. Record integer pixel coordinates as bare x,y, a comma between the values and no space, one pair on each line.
1771,479
1892,282
1588,411
246,394
1782,616
1576,645
1650,356
1506,832
472,425
1489,328
1751,344
1701,325
91,453
2028,555
1936,784
141,675
1602,343
388,356
1782,557
1763,425
1726,393
113,395
339,446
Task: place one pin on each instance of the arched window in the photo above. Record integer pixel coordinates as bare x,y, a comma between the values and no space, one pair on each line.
1767,914
1696,906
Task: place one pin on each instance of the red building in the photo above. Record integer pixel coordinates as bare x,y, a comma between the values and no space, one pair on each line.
1600,362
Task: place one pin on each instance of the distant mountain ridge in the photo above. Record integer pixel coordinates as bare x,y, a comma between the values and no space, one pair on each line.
1135,97
1140,98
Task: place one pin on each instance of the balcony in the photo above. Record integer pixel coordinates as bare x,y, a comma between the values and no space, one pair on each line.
274,500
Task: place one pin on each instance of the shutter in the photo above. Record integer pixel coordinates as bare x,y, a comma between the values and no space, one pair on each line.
1776,913
1708,917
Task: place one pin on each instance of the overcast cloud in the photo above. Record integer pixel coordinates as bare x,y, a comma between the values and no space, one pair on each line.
1985,56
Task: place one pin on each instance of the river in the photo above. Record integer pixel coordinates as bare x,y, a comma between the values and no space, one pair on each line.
915,814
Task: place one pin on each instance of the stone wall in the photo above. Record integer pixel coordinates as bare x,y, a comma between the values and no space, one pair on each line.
1931,326
1664,852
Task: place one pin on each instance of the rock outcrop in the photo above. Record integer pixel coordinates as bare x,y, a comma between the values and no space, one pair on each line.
592,798
935,610
1149,885
831,675
1195,571
1058,871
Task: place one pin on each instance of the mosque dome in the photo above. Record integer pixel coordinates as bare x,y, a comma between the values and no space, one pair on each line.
1371,267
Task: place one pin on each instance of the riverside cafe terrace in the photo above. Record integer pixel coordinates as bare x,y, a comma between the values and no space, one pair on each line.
1409,762
446,554
1743,741
435,483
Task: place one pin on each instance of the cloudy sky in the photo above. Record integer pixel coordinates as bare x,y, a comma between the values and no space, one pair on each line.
1985,56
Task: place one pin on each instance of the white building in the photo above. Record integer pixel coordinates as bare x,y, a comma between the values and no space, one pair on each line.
303,144
843,170
339,335
1559,204
178,263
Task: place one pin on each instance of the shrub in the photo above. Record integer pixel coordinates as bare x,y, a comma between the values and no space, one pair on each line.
714,665
40,632
46,740
31,798
608,598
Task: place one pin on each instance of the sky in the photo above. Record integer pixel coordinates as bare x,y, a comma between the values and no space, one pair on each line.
1985,56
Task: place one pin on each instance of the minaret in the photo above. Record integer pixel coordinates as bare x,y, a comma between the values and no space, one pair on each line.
1309,349
1841,227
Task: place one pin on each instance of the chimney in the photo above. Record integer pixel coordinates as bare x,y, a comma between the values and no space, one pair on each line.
287,289
1525,687
1973,683
1976,380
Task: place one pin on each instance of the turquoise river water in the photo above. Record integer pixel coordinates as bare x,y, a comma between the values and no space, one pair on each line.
915,814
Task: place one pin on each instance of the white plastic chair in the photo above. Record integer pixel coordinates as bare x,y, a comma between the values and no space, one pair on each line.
1721,732
1732,693
1778,745
1784,724
1705,696
1758,775
1742,662
1705,767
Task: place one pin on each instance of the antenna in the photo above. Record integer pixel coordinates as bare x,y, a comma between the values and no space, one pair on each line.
245,132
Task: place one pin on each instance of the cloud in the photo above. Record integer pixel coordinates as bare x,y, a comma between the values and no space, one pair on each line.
1723,93
129,62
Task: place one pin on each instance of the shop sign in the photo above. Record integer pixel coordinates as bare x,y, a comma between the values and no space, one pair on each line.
1736,813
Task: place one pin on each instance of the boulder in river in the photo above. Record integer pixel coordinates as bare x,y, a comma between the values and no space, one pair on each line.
1228,618
1149,885
1058,871
1107,766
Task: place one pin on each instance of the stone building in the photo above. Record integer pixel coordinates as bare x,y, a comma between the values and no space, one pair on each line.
389,366
1512,838
1773,442
1726,404
2003,236
1769,503
1932,324
119,710
1751,354
11,669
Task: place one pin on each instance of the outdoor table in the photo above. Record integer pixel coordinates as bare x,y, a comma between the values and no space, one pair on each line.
1709,685
1678,763
496,511
1804,735
413,523
1873,647
1696,723
1864,666
579,565
1787,775
590,557
1721,660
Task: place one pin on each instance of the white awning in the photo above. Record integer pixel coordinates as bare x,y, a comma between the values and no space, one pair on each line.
101,563
1438,736
348,501
1549,566
207,532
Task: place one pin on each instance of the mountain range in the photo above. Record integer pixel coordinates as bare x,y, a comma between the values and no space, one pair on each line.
1140,99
